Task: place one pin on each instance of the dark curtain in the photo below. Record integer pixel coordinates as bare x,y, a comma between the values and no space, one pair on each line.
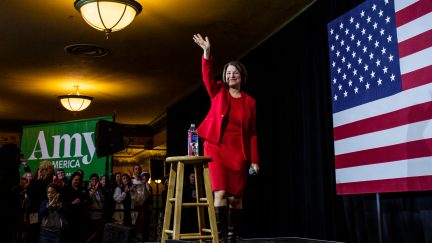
294,195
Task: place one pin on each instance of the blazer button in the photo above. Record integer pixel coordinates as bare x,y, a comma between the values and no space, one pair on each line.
222,115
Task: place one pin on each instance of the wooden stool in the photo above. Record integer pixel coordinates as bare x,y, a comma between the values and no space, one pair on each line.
175,199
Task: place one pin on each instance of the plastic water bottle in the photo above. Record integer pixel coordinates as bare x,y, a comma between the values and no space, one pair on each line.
192,141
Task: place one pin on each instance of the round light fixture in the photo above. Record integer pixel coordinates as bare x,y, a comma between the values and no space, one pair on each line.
108,15
75,102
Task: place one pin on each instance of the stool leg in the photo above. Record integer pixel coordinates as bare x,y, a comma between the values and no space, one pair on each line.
169,205
199,194
178,200
211,208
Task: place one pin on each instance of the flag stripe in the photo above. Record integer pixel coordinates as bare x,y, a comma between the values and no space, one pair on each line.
382,171
416,61
421,183
405,133
417,78
414,27
413,11
398,101
415,44
410,150
402,4
389,120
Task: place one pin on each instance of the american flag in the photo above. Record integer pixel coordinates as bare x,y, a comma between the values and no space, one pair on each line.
381,82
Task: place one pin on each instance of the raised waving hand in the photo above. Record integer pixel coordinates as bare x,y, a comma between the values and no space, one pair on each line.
204,43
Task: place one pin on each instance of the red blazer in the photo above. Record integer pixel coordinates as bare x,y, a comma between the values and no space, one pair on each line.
210,128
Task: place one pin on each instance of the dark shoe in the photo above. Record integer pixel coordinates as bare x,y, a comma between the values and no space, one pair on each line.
232,237
222,222
235,217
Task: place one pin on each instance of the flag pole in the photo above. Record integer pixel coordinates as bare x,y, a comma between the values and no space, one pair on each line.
379,215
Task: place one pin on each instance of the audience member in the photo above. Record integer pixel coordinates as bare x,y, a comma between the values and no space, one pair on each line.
75,198
60,178
36,192
21,223
148,206
95,209
9,184
52,216
123,207
140,195
83,182
28,175
136,174
161,218
107,192
117,181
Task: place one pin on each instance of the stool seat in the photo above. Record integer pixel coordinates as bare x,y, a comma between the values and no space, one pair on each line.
189,159
204,199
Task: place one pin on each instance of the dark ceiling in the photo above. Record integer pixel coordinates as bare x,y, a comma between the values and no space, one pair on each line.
146,68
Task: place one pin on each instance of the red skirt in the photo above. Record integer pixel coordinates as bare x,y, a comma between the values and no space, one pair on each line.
228,170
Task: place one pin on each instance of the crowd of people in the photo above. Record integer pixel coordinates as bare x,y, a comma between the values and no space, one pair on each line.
54,208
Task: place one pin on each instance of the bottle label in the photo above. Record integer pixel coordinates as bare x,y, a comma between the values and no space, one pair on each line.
193,144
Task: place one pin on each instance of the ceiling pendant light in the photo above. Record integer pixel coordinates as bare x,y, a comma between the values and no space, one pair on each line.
75,102
108,15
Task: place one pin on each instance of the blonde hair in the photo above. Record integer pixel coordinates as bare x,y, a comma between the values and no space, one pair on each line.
48,167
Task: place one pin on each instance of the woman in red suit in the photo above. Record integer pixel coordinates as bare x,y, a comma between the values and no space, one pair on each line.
230,139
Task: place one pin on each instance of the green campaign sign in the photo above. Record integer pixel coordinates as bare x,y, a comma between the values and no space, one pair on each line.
68,145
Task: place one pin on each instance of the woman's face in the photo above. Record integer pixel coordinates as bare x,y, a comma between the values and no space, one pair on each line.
125,180
118,178
94,181
103,180
28,176
192,178
76,181
51,192
60,174
233,77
